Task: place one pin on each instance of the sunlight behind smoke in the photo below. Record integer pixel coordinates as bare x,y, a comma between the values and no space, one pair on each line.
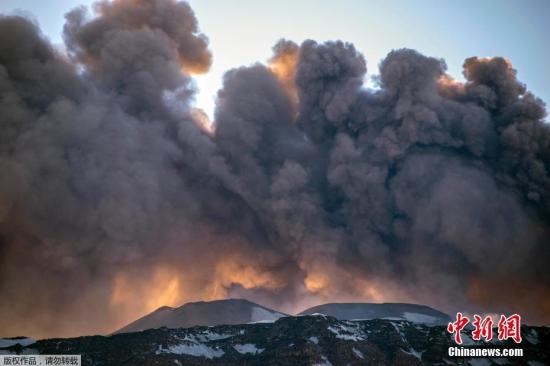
135,298
305,186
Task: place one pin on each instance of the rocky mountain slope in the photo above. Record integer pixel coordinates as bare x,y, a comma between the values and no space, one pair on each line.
241,311
392,311
302,340
230,311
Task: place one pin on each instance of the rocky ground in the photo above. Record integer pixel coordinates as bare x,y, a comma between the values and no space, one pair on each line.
303,340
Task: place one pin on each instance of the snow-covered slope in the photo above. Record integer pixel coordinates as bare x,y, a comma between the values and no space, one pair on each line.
231,311
291,341
392,311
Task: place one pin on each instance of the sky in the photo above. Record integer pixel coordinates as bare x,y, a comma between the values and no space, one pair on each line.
242,32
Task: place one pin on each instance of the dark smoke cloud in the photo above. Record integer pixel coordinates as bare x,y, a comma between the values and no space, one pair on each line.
117,196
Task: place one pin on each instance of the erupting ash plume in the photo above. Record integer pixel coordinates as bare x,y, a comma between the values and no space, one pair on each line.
117,197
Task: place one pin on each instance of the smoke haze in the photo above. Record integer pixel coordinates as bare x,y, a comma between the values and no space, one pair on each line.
117,196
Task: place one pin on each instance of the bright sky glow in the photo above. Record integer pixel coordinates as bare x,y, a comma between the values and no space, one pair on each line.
242,32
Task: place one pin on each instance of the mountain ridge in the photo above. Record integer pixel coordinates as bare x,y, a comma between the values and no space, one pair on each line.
416,313
242,311
294,340
205,313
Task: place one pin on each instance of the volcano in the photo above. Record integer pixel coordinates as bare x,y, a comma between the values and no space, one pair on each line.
241,311
392,311
204,313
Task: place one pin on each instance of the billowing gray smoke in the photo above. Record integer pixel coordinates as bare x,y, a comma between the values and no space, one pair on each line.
117,196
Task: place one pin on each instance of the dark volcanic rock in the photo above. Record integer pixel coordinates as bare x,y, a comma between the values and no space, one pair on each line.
394,311
302,340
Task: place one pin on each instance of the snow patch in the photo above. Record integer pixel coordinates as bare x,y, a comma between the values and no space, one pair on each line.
314,314
358,353
532,337
193,344
206,336
313,340
535,363
263,321
414,353
397,327
420,318
263,315
324,362
248,348
8,342
193,349
348,331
